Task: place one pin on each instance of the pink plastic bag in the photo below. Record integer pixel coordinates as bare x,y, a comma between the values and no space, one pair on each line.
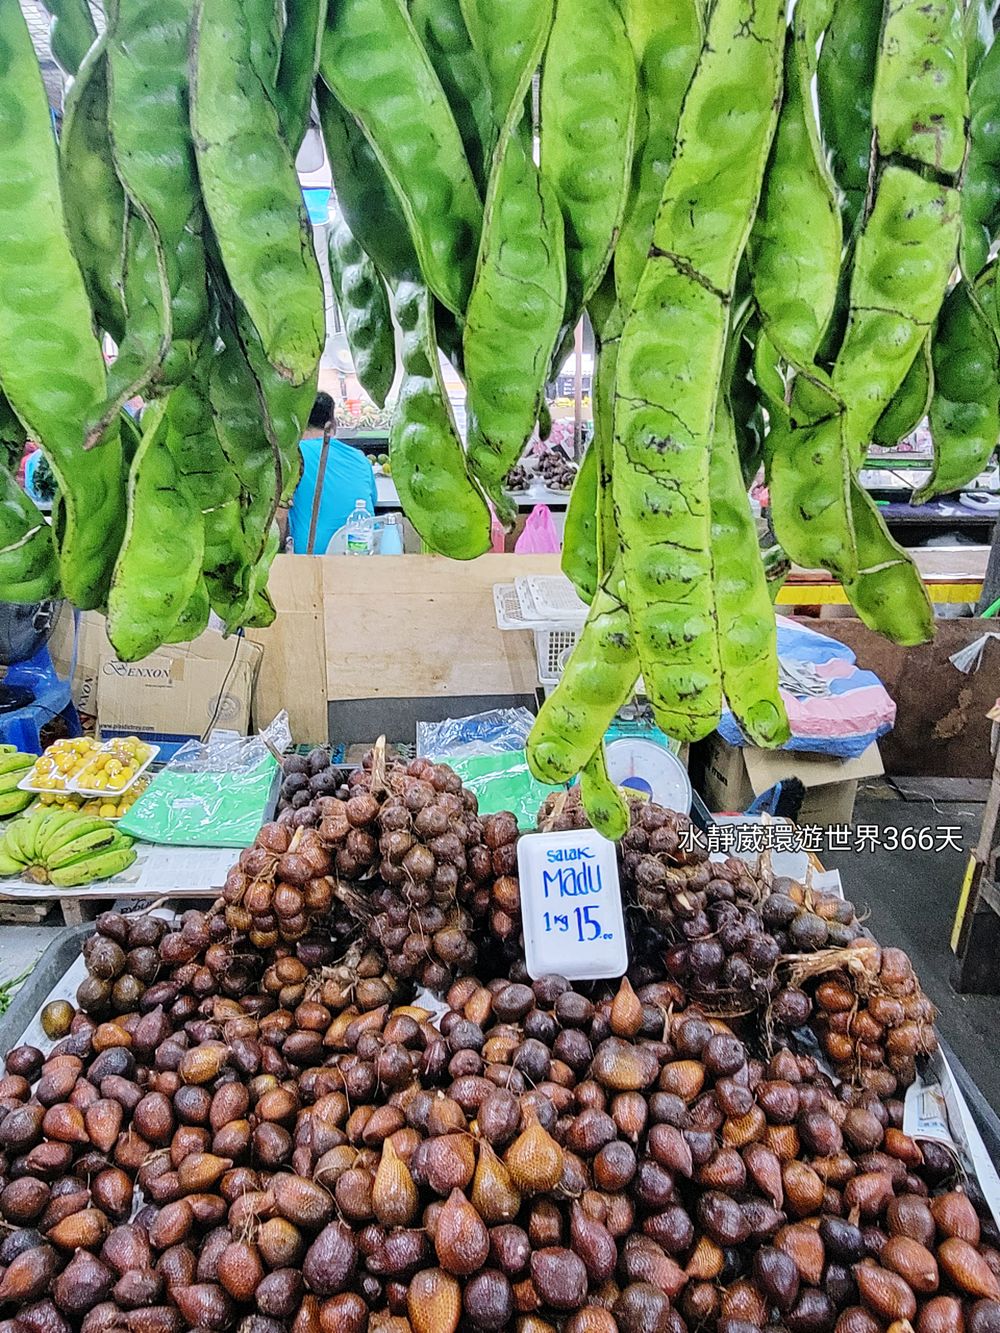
539,536
497,534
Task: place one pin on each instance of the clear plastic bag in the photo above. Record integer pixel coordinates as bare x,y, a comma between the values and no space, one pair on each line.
495,732
215,793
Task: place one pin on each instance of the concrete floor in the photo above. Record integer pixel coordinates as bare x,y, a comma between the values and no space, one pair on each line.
911,899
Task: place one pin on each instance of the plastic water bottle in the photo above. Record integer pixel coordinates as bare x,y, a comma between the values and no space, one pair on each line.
360,531
392,538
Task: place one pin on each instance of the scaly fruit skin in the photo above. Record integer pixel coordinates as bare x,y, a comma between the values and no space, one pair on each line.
13,802
100,866
101,839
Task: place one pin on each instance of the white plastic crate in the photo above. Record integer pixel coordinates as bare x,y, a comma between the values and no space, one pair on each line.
554,598
507,607
552,647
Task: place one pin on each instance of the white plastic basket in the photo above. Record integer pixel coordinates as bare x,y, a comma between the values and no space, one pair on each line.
552,647
554,598
507,607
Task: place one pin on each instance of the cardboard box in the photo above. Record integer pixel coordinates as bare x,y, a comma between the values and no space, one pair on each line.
733,776
181,691
91,644
169,697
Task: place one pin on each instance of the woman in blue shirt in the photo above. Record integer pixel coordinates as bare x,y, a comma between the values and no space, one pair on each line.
347,479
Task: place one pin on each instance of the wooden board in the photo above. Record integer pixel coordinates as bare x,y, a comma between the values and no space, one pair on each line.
293,671
421,626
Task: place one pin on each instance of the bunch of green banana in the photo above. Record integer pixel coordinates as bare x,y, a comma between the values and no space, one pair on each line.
13,767
64,848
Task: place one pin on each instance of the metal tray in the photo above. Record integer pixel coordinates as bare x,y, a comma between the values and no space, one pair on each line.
50,970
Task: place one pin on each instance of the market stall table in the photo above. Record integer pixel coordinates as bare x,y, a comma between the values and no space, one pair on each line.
157,872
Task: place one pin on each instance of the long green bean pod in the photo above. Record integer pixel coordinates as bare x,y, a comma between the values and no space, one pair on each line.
670,362
666,43
148,44
364,308
797,238
148,112
597,680
252,193
809,474
428,462
298,66
978,23
367,201
265,22
373,62
193,620
965,408
980,198
903,261
72,32
261,611
250,453
748,650
284,407
29,568
588,111
603,397
919,100
605,805
510,39
147,340
745,403
888,593
442,30
52,369
845,77
514,314
93,198
590,538
901,266
233,541
910,403
12,437
154,579
579,548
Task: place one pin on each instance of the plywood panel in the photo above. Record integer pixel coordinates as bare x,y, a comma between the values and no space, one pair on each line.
423,626
293,672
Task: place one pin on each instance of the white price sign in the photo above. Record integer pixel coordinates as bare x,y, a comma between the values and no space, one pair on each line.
571,905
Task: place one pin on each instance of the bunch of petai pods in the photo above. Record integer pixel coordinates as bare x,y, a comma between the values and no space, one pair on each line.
280,1137
778,218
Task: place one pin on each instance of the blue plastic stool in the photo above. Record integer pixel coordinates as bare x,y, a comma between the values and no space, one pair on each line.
52,697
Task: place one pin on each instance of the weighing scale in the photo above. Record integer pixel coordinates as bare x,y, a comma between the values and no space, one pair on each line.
648,767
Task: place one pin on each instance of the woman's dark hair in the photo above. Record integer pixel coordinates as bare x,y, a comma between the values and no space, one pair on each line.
322,412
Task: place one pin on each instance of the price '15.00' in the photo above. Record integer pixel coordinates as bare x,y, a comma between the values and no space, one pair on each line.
588,925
